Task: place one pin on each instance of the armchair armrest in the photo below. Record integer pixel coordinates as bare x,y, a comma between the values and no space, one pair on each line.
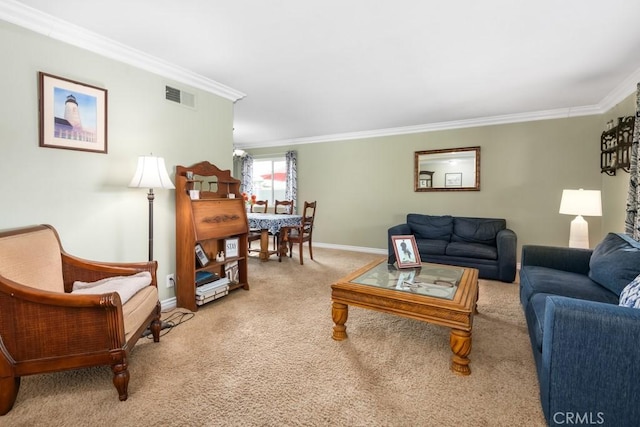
589,360
74,268
506,242
573,260
396,230
38,324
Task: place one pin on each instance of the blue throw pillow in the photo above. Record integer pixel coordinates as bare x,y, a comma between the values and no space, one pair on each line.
630,296
615,262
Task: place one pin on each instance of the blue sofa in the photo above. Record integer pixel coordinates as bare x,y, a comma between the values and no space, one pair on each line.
483,243
586,347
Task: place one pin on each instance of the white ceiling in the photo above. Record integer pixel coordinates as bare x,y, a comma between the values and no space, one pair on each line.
344,68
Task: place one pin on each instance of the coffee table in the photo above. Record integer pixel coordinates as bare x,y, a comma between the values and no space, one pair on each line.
440,294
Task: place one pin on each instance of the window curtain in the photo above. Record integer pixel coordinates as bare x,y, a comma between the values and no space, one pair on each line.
247,174
291,183
632,221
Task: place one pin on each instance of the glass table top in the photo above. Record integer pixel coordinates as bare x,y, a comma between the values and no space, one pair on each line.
434,280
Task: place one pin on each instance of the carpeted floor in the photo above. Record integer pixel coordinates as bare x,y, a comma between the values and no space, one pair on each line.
265,357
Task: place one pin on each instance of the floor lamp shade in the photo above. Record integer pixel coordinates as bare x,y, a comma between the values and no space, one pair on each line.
151,173
580,203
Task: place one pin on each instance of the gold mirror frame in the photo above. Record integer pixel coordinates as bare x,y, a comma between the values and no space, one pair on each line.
450,169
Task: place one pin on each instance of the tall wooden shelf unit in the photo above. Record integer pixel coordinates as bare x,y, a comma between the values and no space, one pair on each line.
208,221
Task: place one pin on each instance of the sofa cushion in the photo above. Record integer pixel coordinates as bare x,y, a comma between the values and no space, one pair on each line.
472,250
630,295
431,227
431,247
536,279
477,230
615,262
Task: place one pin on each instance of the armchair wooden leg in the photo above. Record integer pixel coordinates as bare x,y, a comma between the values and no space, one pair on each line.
9,387
156,325
121,379
310,250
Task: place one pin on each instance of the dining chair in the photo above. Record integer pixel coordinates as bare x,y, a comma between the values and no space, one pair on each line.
303,232
262,206
281,207
254,234
284,207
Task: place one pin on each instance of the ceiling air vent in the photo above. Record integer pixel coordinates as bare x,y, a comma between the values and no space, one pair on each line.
181,97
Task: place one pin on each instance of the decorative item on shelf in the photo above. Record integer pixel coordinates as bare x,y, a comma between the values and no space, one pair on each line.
202,258
231,247
580,202
615,145
220,257
151,173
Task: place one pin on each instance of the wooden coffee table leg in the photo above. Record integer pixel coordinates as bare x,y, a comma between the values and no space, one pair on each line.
460,342
339,313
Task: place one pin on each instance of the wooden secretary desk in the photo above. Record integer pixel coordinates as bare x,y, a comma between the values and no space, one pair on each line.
209,219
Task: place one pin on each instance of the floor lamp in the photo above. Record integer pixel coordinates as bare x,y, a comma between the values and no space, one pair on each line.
580,202
151,173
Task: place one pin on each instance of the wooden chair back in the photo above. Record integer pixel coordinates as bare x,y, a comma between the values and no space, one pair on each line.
283,207
262,206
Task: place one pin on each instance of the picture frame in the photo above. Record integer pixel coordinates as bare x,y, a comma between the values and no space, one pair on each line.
72,115
406,251
231,249
453,179
201,256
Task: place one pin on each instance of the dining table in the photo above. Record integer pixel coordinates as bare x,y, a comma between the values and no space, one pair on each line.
269,223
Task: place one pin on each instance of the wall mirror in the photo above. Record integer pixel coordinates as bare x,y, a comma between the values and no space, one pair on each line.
451,169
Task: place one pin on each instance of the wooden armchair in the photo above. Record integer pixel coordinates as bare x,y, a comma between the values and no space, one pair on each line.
46,328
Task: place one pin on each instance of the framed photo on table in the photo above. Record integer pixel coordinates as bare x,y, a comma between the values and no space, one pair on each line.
73,115
406,250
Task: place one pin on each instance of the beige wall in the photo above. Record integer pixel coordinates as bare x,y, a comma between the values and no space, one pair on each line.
85,195
365,186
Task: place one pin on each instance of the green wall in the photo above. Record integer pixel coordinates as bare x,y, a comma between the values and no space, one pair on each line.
86,195
365,186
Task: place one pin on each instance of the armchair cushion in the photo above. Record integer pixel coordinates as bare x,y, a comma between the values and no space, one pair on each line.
32,258
125,286
614,262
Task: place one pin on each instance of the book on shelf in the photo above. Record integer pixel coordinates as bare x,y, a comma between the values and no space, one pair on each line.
210,288
211,298
204,277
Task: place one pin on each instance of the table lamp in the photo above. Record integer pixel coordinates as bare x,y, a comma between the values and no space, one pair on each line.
580,202
151,173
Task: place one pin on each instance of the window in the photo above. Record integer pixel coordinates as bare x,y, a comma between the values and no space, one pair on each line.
269,178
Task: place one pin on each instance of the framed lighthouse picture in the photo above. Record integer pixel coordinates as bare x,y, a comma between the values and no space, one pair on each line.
73,115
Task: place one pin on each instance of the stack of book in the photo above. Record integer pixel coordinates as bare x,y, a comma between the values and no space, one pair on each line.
210,286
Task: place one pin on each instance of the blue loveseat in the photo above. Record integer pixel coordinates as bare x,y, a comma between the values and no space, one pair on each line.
483,243
586,347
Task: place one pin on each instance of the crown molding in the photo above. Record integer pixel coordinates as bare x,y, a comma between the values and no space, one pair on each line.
618,94
50,26
624,89
560,113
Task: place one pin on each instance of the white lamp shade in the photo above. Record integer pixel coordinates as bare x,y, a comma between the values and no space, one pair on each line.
151,173
581,202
